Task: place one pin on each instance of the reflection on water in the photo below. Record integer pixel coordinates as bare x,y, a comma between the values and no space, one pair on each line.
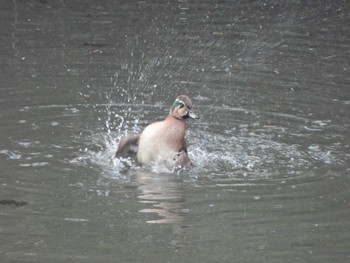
164,193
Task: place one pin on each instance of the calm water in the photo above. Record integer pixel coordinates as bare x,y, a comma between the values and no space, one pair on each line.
271,150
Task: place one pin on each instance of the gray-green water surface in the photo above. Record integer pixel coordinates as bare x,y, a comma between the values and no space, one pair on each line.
270,81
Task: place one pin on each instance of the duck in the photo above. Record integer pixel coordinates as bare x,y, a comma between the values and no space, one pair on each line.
162,140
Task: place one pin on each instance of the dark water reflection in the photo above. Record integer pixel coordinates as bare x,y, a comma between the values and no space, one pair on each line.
165,193
271,150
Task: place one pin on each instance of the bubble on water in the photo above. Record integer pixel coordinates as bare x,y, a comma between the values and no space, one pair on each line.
246,155
11,155
37,164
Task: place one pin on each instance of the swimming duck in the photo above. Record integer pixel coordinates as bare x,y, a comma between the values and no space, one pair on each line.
162,140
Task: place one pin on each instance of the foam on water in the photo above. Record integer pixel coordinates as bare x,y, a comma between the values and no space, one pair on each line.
245,155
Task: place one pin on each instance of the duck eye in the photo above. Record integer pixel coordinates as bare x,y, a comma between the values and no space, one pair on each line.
181,106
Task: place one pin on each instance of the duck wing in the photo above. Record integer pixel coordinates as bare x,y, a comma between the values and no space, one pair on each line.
127,146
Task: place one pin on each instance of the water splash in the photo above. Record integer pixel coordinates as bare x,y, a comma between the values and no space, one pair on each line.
247,147
252,150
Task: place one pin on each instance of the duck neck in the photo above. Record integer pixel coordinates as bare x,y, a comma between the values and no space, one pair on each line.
172,117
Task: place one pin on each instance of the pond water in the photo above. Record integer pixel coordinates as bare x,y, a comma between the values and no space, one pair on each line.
270,82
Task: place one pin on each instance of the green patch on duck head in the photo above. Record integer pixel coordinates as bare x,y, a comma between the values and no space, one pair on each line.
177,103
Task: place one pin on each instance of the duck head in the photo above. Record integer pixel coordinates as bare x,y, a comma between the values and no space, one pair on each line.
182,108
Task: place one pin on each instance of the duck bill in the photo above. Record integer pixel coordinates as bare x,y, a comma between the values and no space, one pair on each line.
192,115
